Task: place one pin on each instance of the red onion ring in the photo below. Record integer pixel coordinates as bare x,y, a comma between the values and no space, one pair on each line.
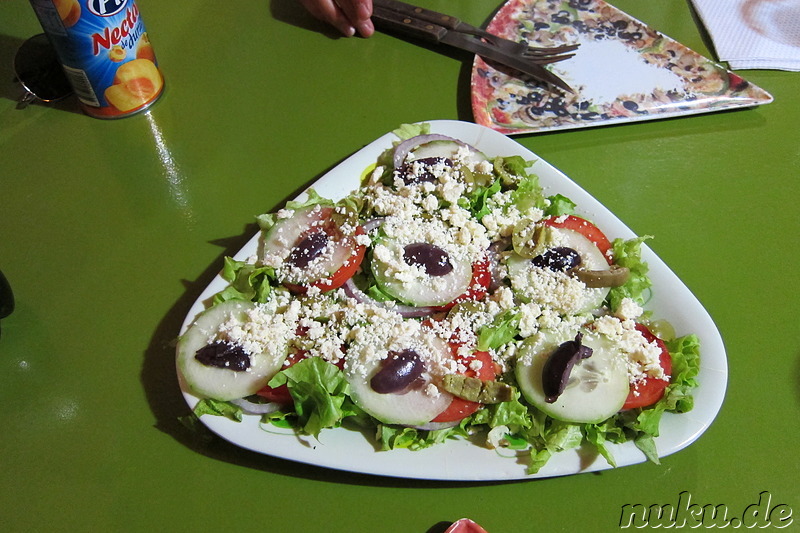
493,256
372,224
405,311
402,150
435,426
253,408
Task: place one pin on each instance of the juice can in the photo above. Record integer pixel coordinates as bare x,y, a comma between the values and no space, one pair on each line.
105,52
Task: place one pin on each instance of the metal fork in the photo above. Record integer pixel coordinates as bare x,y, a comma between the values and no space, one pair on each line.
539,55
411,26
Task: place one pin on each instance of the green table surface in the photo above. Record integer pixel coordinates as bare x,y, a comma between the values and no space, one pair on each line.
109,230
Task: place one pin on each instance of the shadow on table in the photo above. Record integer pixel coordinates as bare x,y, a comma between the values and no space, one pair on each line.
701,28
10,88
294,14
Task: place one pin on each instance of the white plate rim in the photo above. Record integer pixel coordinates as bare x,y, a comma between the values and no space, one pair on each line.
461,460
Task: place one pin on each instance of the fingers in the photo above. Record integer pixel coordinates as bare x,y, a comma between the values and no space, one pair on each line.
348,16
327,11
358,12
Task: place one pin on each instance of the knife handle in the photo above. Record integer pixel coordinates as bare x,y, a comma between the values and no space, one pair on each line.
420,13
407,25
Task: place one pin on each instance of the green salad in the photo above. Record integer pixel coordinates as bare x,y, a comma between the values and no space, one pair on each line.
446,298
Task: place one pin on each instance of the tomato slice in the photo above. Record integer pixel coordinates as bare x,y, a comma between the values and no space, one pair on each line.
478,287
338,278
460,408
648,391
585,228
346,271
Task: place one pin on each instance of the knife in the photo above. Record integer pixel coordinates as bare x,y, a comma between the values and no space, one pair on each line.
413,27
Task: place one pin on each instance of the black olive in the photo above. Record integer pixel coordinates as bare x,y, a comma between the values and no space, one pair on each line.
580,4
433,259
398,371
224,355
308,249
562,17
580,26
630,105
533,111
556,370
423,175
558,259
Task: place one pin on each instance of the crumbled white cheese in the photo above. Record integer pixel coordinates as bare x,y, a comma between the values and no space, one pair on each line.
628,310
421,205
268,326
552,289
642,358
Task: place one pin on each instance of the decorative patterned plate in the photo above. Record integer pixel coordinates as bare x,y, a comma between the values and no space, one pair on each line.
623,71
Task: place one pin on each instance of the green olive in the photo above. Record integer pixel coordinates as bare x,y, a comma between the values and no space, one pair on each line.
530,238
616,276
475,390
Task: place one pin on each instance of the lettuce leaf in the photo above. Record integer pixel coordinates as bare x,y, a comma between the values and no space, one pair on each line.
527,192
209,406
513,169
407,131
512,414
247,281
685,352
475,203
392,437
627,253
559,205
501,331
320,393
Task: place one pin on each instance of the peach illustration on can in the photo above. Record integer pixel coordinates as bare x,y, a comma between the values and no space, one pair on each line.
69,11
136,83
144,50
117,53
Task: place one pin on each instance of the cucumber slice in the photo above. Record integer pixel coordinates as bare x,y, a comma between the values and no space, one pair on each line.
597,387
222,383
448,150
536,284
288,235
410,283
414,406
464,157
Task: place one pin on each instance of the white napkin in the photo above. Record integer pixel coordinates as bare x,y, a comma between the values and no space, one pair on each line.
754,34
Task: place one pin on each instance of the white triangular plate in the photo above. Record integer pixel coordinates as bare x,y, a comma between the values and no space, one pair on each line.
464,460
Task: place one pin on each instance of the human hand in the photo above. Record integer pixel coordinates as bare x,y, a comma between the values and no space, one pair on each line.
348,16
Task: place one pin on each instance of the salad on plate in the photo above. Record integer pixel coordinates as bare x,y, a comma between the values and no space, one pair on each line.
447,298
